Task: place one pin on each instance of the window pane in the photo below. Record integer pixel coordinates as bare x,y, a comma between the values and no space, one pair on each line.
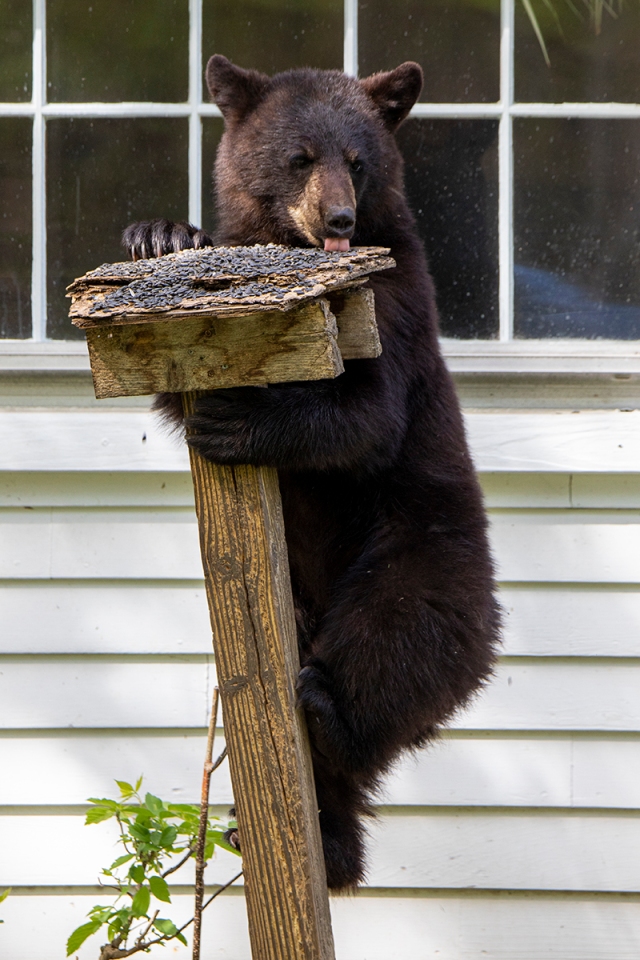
15,50
121,50
212,129
274,35
456,42
451,175
585,65
102,175
577,228
15,229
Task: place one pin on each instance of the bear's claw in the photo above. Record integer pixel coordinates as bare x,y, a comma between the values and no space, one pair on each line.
156,238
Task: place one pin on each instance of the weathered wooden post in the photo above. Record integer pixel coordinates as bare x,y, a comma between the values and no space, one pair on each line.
224,317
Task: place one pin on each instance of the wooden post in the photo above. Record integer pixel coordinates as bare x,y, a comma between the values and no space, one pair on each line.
211,337
244,556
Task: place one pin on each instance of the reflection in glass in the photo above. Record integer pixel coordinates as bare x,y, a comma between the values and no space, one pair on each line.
456,42
577,228
103,175
451,175
212,128
585,65
121,50
15,50
15,227
274,35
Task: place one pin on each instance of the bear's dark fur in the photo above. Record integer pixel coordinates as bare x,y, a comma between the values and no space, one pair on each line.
386,532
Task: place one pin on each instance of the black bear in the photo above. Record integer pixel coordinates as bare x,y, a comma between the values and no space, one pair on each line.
386,532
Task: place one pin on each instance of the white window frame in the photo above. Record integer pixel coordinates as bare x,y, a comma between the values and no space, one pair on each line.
503,354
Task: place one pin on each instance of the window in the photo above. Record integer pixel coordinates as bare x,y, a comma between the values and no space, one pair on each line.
523,176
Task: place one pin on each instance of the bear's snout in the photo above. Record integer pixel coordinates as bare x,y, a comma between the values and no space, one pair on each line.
340,221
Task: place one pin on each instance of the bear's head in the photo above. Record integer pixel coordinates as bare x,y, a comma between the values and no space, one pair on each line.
308,157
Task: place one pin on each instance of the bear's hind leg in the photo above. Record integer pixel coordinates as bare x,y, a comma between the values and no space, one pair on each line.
342,803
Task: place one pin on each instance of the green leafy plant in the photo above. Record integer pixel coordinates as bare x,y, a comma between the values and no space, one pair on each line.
153,833
158,838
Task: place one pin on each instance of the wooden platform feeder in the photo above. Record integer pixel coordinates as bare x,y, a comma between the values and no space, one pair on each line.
222,317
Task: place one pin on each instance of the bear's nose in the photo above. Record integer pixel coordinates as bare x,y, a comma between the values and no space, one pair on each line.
340,221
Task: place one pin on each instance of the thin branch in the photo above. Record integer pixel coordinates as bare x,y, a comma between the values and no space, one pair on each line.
220,890
145,932
123,835
110,953
202,830
178,864
219,760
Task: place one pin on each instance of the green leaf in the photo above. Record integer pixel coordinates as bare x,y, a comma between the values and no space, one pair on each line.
159,889
123,859
136,872
98,814
3,896
140,833
139,782
168,837
101,914
143,815
141,901
184,809
81,934
153,803
181,937
118,921
125,789
165,927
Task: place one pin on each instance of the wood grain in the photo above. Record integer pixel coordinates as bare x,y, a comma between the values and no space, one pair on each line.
355,314
247,581
209,353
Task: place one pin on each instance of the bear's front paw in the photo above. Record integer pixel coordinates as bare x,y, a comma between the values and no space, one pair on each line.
225,427
155,238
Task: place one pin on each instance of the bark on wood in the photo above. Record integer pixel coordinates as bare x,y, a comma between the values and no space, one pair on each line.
217,281
246,573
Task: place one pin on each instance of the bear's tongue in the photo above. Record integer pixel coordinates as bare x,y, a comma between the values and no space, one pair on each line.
334,244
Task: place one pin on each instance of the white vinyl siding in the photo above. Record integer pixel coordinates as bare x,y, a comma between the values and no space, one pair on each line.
516,837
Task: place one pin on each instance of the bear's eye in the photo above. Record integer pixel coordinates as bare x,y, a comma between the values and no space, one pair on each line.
357,166
300,160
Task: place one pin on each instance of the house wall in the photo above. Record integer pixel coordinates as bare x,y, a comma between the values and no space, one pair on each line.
514,838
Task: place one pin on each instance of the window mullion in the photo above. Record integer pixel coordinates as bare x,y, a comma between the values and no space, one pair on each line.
505,171
195,121
350,60
39,242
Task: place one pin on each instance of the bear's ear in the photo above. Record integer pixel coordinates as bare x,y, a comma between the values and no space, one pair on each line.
234,90
395,92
